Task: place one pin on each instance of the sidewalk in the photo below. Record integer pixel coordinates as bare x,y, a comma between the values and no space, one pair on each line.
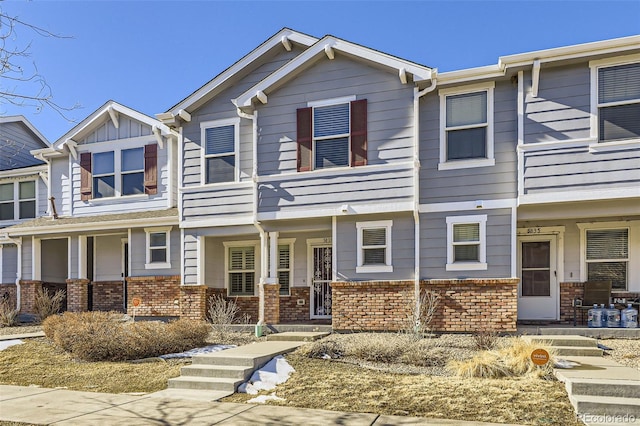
64,407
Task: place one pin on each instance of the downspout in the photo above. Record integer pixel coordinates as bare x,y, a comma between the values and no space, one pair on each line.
263,235
417,94
18,243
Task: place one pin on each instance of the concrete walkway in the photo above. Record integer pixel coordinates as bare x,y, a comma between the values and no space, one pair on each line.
64,407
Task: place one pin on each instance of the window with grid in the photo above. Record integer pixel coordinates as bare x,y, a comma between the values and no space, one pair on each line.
241,271
7,202
619,102
331,135
219,154
18,200
466,126
607,256
284,268
104,178
132,171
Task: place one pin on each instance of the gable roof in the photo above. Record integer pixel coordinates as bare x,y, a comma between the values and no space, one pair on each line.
285,36
326,46
109,109
21,119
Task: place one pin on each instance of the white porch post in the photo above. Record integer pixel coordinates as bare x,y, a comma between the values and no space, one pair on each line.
273,258
36,270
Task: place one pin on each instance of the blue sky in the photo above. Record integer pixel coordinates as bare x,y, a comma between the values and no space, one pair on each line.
149,55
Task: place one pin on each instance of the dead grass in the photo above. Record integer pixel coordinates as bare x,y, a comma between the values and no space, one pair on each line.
38,362
330,385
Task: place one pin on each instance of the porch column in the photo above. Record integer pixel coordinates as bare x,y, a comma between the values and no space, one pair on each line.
271,286
82,257
77,295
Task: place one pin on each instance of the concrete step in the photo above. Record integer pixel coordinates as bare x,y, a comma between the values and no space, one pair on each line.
190,394
244,361
296,336
576,351
254,355
222,371
577,341
604,387
205,383
606,405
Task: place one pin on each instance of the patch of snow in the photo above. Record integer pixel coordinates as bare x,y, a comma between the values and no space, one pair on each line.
198,351
563,363
4,344
275,372
261,399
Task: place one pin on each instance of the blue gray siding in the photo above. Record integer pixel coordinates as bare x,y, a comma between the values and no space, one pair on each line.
229,200
478,183
9,261
54,257
16,140
27,258
138,250
433,245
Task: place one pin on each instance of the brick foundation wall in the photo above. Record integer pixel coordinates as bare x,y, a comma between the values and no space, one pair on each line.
53,287
471,305
160,295
28,290
108,296
247,305
569,291
465,305
77,295
193,301
10,293
290,311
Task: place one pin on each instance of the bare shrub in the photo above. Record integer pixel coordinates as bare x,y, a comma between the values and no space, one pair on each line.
103,336
325,348
486,340
222,313
486,364
8,315
48,304
419,316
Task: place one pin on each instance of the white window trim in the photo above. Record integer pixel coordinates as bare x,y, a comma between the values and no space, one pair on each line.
16,200
256,267
595,105
157,265
481,265
445,164
360,266
131,172
323,103
288,242
633,227
235,122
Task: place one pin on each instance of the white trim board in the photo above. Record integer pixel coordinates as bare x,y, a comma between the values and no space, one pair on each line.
478,205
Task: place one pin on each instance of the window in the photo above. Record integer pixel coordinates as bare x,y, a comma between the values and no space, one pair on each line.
104,179
374,246
285,261
466,130
18,200
466,243
219,159
607,256
332,133
618,102
132,171
241,267
158,252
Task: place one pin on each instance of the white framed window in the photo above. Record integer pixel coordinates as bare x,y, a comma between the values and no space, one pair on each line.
132,171
285,265
331,132
466,127
606,256
158,248
220,141
240,267
615,99
466,243
374,246
104,175
18,200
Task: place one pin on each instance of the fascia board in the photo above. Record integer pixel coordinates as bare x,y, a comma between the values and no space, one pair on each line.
25,171
247,60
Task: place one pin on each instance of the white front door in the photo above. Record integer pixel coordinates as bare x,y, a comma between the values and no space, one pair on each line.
320,275
538,291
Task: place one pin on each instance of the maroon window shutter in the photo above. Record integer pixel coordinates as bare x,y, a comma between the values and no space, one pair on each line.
151,169
85,176
359,132
304,139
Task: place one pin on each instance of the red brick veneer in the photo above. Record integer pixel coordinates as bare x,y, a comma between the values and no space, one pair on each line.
108,296
290,311
159,295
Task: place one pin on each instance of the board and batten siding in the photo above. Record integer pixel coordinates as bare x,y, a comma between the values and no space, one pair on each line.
477,183
138,250
389,112
16,140
402,244
433,245
128,128
9,263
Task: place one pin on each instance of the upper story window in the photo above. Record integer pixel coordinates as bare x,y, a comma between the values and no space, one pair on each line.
466,243
18,200
466,127
618,102
332,133
374,246
607,256
119,172
219,160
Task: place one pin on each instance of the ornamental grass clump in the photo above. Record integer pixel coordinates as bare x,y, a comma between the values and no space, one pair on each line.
105,336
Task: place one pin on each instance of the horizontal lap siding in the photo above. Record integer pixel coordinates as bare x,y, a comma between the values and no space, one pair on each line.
17,141
61,190
190,257
27,258
433,245
561,111
493,182
578,169
9,265
138,250
389,104
215,202
363,187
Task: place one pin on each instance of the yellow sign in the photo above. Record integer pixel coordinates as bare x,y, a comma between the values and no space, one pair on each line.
540,357
136,301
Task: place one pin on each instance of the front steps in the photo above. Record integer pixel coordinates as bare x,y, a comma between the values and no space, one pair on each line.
598,387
